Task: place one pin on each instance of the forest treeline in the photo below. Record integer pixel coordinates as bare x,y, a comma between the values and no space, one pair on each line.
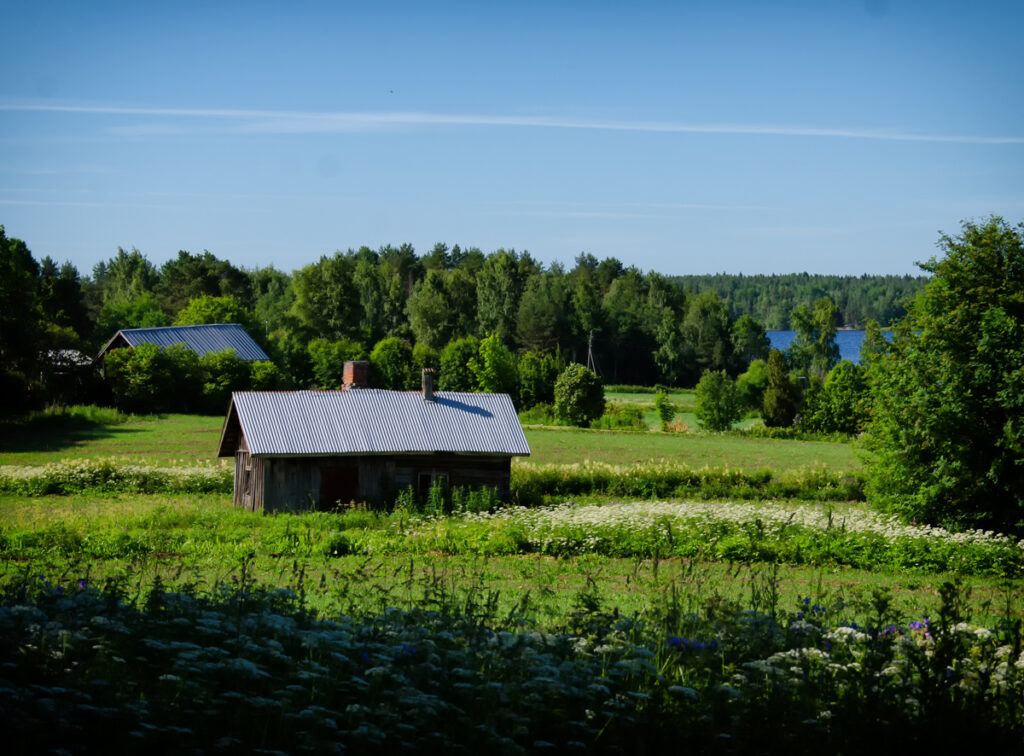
770,299
635,327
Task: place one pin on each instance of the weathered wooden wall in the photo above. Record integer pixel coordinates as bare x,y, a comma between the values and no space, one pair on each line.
292,484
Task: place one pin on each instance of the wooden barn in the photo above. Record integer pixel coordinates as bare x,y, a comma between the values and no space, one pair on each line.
297,450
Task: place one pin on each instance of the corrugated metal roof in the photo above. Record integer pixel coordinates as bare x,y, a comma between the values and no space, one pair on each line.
200,339
371,421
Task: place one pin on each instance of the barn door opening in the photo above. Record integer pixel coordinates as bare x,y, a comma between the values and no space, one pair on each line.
339,485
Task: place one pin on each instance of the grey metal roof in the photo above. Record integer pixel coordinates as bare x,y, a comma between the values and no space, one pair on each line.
371,421
200,339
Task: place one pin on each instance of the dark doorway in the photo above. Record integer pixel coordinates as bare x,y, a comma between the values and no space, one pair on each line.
339,485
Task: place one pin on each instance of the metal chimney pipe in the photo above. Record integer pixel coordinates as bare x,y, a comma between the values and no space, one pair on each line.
428,384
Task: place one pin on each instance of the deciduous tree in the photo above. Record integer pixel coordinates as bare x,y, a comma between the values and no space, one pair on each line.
948,426
718,403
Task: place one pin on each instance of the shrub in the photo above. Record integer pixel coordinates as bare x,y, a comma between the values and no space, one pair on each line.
265,376
666,410
752,385
145,379
840,405
619,416
579,396
718,404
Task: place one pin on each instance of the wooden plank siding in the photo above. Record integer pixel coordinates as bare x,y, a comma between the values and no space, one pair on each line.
294,484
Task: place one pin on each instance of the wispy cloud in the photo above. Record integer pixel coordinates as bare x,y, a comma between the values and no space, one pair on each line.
300,122
72,203
540,209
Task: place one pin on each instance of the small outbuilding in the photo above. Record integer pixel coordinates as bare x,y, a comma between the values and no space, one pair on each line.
213,337
297,450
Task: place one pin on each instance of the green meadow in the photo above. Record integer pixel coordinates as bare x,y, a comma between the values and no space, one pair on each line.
718,592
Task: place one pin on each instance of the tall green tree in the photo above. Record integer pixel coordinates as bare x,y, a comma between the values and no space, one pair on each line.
780,395
431,316
60,297
543,320
632,327
814,350
20,318
125,276
326,299
675,357
370,281
190,276
499,287
708,330
947,434
749,341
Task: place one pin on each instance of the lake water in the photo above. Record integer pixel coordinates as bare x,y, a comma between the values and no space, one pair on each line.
847,341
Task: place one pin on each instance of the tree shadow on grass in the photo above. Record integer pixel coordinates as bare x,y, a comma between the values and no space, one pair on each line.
51,434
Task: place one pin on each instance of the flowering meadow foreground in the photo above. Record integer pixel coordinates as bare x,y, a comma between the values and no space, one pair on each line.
169,623
245,669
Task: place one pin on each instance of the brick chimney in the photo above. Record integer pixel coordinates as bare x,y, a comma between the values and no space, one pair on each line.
428,384
356,375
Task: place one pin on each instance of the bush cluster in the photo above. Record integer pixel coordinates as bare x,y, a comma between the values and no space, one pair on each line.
149,378
533,484
113,475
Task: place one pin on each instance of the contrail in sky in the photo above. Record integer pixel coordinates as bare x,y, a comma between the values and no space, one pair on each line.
298,122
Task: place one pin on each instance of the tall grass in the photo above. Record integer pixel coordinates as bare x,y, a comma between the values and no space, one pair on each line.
535,484
245,667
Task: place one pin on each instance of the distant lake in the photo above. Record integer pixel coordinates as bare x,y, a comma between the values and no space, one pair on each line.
847,341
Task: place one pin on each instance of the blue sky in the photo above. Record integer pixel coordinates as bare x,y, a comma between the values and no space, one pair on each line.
689,137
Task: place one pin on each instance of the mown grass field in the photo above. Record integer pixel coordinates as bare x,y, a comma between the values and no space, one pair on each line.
186,439
684,401
567,446
190,439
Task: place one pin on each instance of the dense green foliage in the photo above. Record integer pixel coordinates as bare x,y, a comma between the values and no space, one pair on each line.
150,379
948,425
251,668
771,299
752,384
579,396
840,404
718,402
665,409
814,351
780,395
636,327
